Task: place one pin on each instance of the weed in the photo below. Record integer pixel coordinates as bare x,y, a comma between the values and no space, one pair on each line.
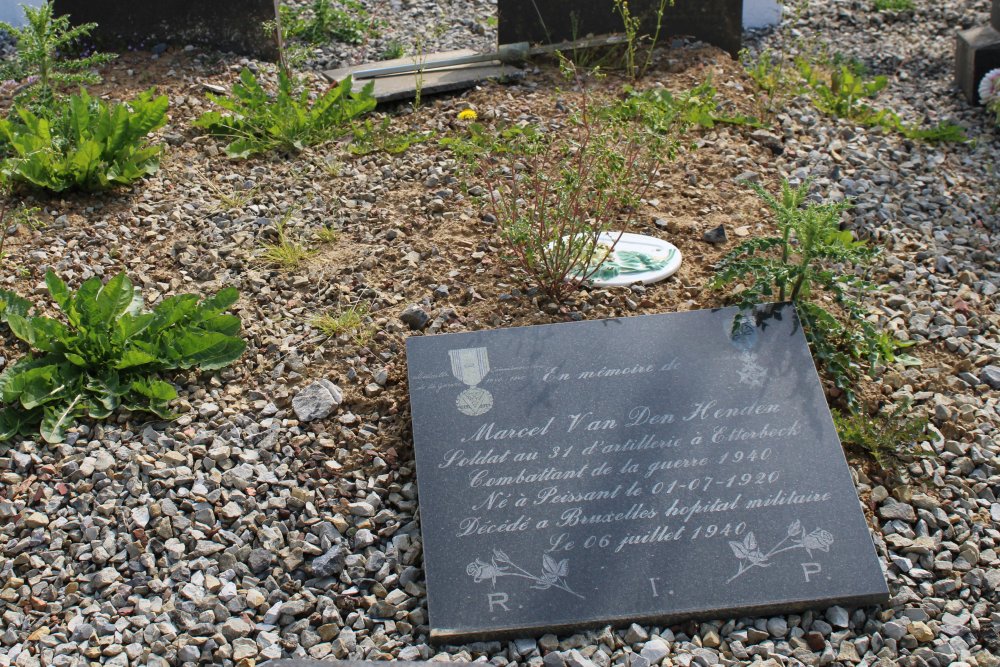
371,138
327,235
479,142
889,438
393,50
110,353
348,22
633,40
87,145
351,320
291,120
230,198
893,5
286,253
554,202
806,259
41,63
670,115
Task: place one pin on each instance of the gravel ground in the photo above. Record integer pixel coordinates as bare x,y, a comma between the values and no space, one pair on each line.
416,26
277,516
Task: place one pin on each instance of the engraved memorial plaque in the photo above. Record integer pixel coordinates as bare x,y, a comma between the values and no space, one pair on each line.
648,469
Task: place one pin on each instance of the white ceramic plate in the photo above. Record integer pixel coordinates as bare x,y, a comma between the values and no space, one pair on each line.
653,247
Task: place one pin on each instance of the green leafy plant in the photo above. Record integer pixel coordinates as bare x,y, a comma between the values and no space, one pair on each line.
842,93
327,235
109,353
805,265
671,115
286,252
633,39
350,320
348,22
555,200
371,138
888,437
88,144
478,141
393,50
258,121
40,61
893,5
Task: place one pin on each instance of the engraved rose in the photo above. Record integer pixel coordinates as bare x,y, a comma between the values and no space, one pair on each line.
480,571
751,555
818,540
553,575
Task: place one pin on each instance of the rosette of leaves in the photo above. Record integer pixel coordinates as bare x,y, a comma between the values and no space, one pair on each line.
109,353
258,121
84,143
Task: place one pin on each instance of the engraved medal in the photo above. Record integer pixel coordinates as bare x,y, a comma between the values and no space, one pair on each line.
470,366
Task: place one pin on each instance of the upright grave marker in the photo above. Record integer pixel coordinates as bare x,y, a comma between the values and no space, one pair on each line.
225,25
977,51
653,468
718,22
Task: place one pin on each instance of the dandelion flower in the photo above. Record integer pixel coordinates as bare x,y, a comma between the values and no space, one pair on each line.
467,114
989,87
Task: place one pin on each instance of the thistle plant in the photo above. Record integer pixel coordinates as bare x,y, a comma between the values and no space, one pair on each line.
41,65
809,257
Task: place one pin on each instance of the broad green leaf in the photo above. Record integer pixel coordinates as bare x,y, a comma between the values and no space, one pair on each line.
173,310
113,299
85,303
22,328
156,390
76,359
105,395
224,324
12,304
57,418
218,303
42,385
12,422
133,357
57,290
208,351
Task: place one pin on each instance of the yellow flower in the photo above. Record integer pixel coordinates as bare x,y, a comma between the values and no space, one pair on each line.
467,114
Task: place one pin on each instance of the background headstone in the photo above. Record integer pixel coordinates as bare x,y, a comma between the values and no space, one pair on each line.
650,469
977,51
718,22
761,13
12,13
224,25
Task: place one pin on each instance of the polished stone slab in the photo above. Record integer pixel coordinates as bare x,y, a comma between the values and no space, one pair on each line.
650,469
718,22
224,25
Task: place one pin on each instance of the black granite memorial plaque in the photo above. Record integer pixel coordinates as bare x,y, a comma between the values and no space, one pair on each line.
652,468
718,22
225,25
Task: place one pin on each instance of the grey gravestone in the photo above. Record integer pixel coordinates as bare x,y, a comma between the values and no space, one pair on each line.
225,25
718,22
649,469
977,51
